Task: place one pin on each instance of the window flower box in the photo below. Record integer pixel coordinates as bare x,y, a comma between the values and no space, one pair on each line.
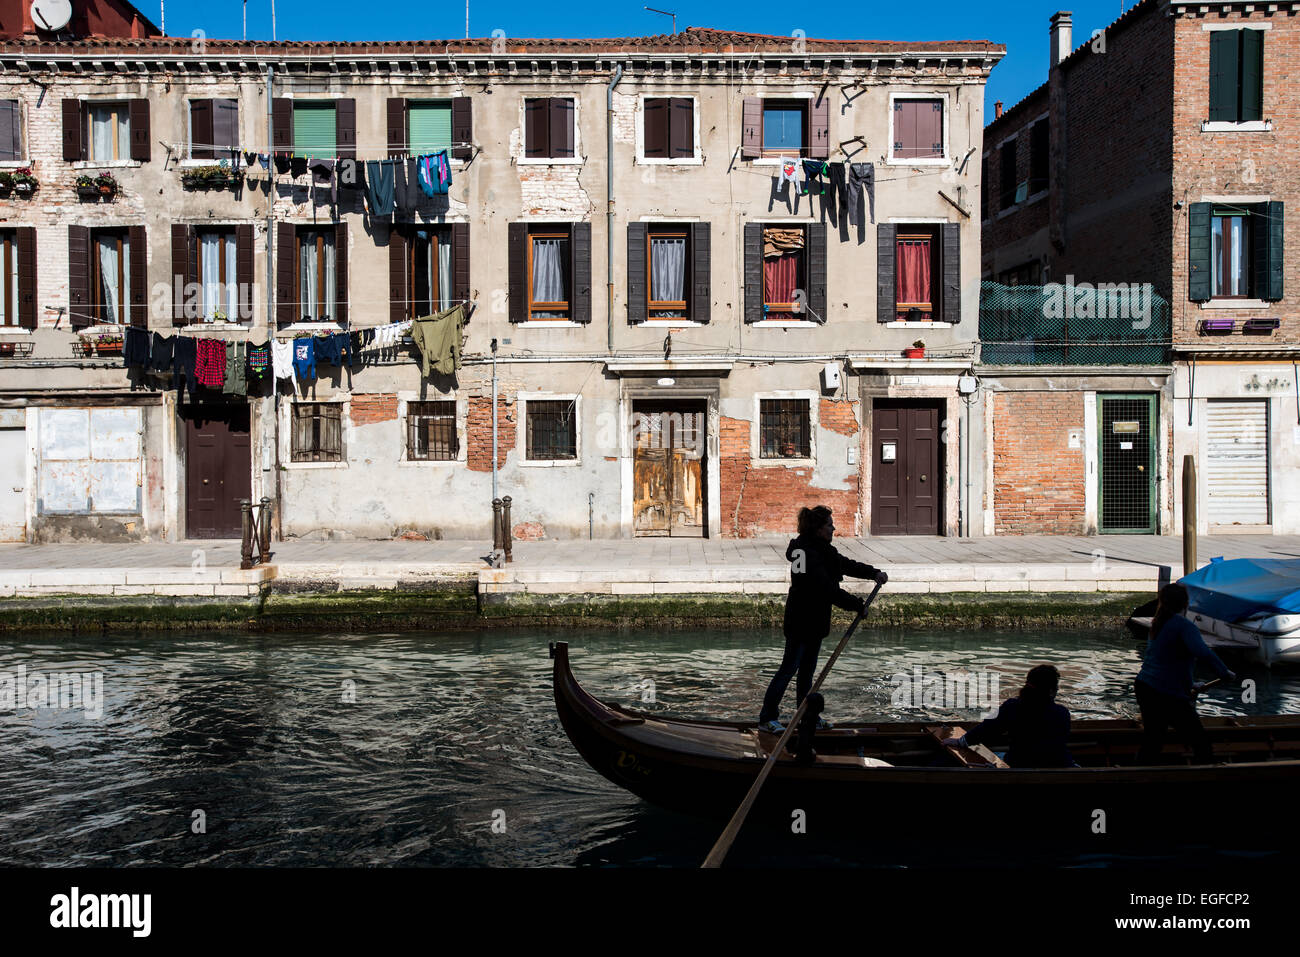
916,352
210,177
24,183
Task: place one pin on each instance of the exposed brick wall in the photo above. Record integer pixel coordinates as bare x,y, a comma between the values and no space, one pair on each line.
367,409
478,429
837,415
1038,479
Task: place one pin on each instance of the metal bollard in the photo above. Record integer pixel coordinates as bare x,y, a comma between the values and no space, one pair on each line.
507,536
265,527
246,534
497,544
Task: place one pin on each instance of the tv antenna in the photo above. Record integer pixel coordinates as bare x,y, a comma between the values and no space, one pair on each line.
666,13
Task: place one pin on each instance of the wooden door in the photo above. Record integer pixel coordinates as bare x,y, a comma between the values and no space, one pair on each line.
218,471
906,477
668,456
13,484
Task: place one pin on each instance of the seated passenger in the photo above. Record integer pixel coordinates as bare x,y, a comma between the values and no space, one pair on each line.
1035,727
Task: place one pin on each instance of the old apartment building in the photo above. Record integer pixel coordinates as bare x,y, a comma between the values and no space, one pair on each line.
680,342
1160,151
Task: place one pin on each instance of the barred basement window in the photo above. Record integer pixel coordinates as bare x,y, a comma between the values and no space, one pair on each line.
317,432
431,431
784,429
552,429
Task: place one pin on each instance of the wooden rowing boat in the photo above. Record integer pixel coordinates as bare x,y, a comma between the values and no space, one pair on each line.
899,774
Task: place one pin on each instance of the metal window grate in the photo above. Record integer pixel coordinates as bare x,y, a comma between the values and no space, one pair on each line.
552,429
784,429
431,431
317,432
1126,465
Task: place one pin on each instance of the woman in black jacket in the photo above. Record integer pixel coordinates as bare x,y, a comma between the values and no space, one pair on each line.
816,570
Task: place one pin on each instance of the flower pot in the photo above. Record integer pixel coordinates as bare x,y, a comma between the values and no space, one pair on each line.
913,353
25,189
108,348
88,191
106,190
6,348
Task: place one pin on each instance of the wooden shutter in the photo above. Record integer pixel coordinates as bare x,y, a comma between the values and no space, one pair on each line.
1223,75
561,123
904,128
282,124
286,274
225,124
1266,240
681,128
537,127
244,271
886,289
517,255
201,130
396,127
580,298
139,306
74,130
753,272
140,138
1252,75
816,292
397,253
26,239
819,128
462,127
184,269
930,129
460,261
751,131
345,128
950,262
637,280
79,275
10,131
656,128
699,291
1198,249
341,273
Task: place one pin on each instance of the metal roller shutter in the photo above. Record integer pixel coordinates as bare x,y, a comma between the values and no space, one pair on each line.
1236,463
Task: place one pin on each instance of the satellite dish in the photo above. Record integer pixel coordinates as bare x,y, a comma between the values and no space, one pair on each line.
51,15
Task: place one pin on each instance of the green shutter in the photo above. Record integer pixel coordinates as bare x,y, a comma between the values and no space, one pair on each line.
1266,237
314,132
430,126
1198,252
1252,75
1224,46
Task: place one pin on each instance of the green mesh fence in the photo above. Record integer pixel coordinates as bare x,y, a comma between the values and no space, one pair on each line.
1073,325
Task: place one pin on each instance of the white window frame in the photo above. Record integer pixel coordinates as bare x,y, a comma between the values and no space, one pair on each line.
755,443
24,145
124,157
286,432
404,399
946,159
778,160
577,159
697,156
521,428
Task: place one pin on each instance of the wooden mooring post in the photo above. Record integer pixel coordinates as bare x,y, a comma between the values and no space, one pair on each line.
1189,514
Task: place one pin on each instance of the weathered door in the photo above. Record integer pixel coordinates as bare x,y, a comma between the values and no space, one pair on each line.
1127,502
218,471
13,484
668,456
906,481
1236,463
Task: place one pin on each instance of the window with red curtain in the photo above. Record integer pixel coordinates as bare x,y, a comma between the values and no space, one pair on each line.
782,272
916,275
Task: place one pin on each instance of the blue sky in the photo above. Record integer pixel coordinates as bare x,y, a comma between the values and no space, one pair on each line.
1020,24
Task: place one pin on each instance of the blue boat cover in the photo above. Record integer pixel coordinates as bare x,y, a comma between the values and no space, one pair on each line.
1241,587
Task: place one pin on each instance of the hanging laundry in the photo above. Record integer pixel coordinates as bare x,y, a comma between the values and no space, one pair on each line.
298,166
259,363
135,348
434,173
438,339
322,174
860,175
283,163
406,186
184,361
835,192
264,161
787,175
304,358
236,369
379,187
210,367
250,158
282,358
813,170
343,342
327,351
161,355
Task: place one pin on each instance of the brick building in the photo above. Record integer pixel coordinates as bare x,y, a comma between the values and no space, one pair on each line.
708,355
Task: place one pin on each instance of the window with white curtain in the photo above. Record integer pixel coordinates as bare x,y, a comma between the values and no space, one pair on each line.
428,272
317,283
8,279
111,262
549,260
666,252
110,132
217,275
1230,262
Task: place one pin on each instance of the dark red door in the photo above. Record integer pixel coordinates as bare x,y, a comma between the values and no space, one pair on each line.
218,471
906,482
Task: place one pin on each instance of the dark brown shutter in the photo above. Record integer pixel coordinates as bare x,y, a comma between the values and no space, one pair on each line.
26,276
580,301
517,255
286,273
637,280
341,273
79,275
460,261
951,261
139,311
396,127
816,291
753,272
656,128
931,143
751,130
282,124
345,128
201,132
681,126
244,271
886,289
140,137
10,125
397,274
701,260
819,128
183,271
462,127
904,129
537,127
74,130
225,124
562,137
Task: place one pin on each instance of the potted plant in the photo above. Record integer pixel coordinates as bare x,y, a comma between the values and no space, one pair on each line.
105,182
6,182
86,186
916,352
109,344
24,182
7,349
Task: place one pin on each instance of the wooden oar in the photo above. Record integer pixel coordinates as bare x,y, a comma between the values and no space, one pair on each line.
737,821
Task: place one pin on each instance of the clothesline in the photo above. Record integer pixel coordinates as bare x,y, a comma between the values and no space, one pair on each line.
290,148
196,322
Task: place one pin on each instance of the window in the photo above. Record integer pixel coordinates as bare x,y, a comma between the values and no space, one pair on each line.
428,271
1039,145
214,128
785,127
315,131
667,264
431,431
918,129
784,429
548,127
669,128
1230,272
917,271
784,272
317,432
1026,274
429,126
110,275
216,275
8,278
317,276
1236,76
552,429
110,132
1007,174
549,273
11,140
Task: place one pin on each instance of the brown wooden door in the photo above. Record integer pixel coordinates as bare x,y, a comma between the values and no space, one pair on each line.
906,481
218,471
668,456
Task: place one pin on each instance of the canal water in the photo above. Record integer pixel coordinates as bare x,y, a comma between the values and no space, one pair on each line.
444,749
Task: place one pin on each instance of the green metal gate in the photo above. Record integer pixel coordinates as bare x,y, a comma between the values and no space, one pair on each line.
1127,463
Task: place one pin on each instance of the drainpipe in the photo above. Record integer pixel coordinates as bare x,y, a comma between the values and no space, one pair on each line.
609,200
274,430
494,420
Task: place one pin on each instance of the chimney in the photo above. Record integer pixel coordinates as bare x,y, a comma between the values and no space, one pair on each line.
997,109
1061,30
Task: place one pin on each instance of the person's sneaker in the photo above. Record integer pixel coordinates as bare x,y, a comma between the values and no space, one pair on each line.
824,725
772,727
